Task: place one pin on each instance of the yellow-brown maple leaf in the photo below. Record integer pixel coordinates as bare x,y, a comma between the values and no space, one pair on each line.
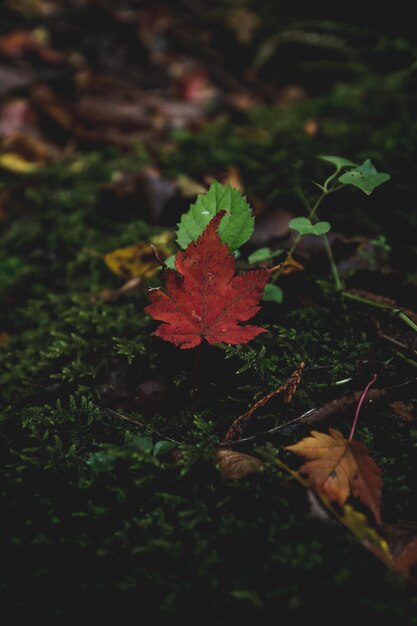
340,468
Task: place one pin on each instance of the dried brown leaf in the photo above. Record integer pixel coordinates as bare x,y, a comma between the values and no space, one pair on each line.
339,468
403,410
236,465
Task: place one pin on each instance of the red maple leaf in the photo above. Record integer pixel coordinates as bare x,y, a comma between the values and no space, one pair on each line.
204,299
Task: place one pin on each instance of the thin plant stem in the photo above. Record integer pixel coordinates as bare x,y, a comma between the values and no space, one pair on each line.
195,376
406,359
381,305
313,215
362,398
354,296
336,276
299,236
406,319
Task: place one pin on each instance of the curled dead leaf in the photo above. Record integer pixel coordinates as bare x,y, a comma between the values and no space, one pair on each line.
236,465
290,266
408,557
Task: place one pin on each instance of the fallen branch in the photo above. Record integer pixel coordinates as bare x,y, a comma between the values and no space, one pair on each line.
338,405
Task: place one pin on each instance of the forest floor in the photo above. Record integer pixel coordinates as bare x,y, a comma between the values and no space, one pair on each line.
114,494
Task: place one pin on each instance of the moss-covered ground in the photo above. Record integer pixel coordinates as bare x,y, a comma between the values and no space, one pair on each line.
95,523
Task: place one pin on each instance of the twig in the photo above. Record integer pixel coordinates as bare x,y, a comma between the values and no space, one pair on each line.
395,342
317,414
289,387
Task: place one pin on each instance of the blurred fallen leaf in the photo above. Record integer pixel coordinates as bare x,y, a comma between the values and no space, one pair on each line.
23,152
399,535
18,43
188,187
13,78
408,557
244,23
17,164
16,115
236,465
4,338
233,178
366,534
194,85
403,410
311,127
35,8
139,260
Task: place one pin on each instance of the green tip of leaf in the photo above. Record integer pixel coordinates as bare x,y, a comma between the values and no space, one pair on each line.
236,226
338,162
273,293
170,262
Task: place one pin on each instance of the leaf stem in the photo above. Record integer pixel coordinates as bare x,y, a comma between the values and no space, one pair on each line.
336,276
299,236
313,215
382,305
406,319
195,377
362,398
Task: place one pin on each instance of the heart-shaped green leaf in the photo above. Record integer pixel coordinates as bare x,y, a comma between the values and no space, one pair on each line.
321,228
365,177
302,225
273,293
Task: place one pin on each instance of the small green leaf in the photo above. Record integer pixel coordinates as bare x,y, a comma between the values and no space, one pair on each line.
144,444
273,293
170,262
162,447
263,254
338,162
100,462
321,228
365,177
236,226
302,225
